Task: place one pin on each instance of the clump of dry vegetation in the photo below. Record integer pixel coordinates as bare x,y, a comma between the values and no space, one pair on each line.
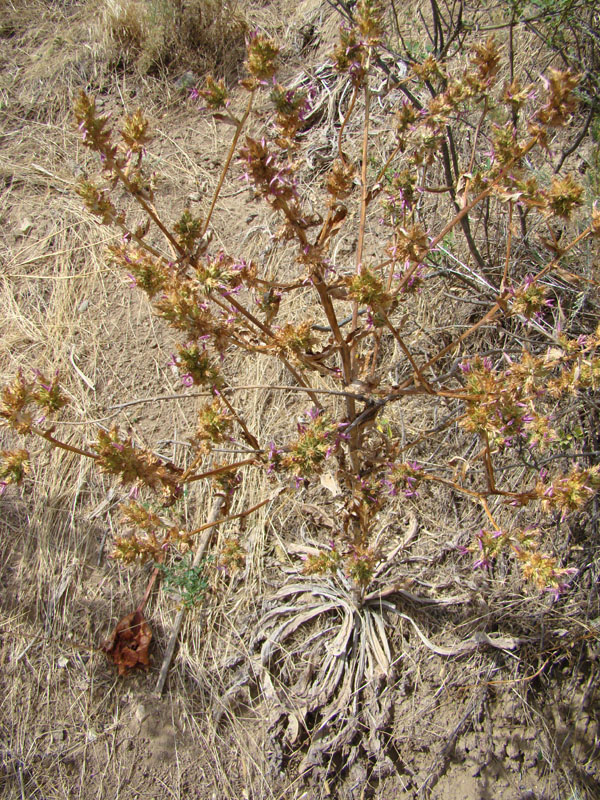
154,35
408,337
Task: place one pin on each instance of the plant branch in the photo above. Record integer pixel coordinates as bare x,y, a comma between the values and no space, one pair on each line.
252,440
220,470
149,210
47,435
225,169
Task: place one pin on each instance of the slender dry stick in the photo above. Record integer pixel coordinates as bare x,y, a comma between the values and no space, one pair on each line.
379,333
322,291
47,435
149,587
355,437
222,303
486,318
220,470
489,467
218,503
325,299
476,137
483,194
488,514
345,122
381,174
252,440
508,246
303,385
364,192
406,351
193,464
232,147
212,524
282,388
267,331
472,492
345,353
427,434
149,210
127,235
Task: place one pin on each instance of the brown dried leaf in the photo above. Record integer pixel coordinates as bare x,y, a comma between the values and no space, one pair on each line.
129,643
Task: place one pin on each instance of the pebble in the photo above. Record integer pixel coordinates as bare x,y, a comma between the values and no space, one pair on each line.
25,226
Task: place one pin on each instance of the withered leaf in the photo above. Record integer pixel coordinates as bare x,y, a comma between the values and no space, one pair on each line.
330,482
129,643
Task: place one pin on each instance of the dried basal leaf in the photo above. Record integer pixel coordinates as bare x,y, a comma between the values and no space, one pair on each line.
330,482
129,643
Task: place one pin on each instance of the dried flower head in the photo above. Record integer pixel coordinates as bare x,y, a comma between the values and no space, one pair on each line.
564,196
340,180
14,465
262,55
214,94
135,132
560,99
94,127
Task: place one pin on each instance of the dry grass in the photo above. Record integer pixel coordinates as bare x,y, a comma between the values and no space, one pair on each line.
153,35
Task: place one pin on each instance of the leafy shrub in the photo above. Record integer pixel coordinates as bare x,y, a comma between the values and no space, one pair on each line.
499,385
186,580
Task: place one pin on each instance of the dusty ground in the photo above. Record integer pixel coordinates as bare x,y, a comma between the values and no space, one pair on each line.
501,724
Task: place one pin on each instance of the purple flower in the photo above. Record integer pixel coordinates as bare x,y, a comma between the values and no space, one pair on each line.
392,489
187,379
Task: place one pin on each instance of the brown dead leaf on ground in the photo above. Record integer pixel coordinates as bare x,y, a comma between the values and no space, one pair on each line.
129,644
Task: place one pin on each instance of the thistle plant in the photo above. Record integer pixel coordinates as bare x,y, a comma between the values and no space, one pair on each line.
513,403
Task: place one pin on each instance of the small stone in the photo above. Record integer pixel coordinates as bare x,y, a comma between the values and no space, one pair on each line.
62,662
195,197
25,226
83,306
512,750
141,712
